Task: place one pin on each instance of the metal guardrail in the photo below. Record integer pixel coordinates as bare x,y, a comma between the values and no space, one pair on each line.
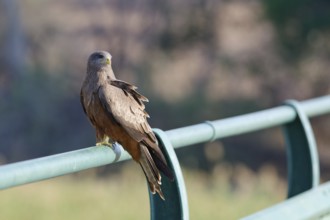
302,154
312,204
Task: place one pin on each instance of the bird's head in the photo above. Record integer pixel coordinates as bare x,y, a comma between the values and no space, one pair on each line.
99,60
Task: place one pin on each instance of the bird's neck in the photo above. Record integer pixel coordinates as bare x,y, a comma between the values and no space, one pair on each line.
97,78
102,72
109,73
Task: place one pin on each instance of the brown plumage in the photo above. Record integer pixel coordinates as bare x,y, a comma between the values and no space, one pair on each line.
116,110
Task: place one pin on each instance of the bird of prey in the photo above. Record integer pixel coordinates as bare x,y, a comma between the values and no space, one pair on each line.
117,112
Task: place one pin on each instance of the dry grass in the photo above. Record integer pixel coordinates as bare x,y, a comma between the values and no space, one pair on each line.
125,197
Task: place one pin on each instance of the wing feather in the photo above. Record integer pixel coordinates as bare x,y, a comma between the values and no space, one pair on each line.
125,104
131,90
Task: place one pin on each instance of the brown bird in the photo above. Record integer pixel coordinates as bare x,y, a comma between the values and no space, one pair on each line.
117,112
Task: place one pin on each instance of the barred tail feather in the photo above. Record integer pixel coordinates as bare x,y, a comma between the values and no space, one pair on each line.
151,171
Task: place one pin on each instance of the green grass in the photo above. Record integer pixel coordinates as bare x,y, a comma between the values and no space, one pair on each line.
229,193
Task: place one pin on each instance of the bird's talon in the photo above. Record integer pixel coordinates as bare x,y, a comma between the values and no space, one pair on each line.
104,143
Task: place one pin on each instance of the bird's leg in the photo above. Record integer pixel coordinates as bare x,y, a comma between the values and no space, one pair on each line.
105,141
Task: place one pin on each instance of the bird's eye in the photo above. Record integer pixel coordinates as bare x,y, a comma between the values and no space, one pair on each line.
100,56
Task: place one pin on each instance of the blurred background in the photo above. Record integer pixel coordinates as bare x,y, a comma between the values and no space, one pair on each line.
194,60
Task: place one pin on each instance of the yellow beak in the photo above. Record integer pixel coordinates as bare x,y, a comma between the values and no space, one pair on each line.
107,61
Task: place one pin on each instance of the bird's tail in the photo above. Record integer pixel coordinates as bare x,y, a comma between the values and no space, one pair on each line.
151,171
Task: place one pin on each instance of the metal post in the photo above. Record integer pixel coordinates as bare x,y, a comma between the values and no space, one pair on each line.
175,205
303,162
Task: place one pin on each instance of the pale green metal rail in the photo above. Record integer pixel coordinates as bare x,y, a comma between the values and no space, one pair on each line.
293,116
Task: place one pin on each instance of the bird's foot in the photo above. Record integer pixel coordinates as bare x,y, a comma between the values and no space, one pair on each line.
113,145
104,143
